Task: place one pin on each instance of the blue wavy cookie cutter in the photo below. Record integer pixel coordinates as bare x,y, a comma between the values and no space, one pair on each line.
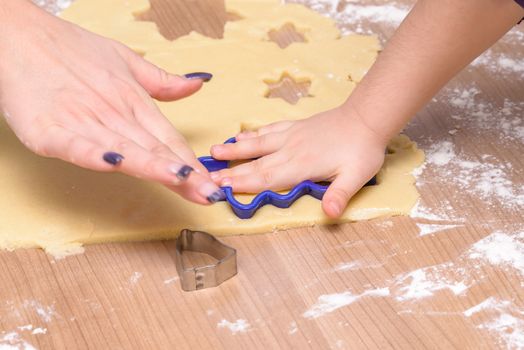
246,211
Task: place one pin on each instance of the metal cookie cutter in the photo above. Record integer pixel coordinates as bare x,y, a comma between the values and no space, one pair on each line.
200,277
246,211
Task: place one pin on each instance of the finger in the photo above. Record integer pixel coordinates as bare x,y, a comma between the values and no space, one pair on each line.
139,128
129,128
249,148
154,122
74,148
270,128
274,178
340,192
139,162
256,166
160,84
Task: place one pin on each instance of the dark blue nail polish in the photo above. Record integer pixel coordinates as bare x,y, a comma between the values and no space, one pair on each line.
113,158
184,172
199,75
216,197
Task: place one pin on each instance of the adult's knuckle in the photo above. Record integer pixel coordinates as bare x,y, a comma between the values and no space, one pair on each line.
120,145
163,77
175,142
160,148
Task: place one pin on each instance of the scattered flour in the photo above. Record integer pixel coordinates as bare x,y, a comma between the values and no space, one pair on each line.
514,36
509,329
54,6
12,341
499,63
487,179
330,302
503,319
505,250
490,303
486,117
39,331
441,213
418,171
135,277
239,326
354,265
385,224
170,280
501,249
391,13
417,284
293,328
428,229
46,313
29,327
441,153
352,16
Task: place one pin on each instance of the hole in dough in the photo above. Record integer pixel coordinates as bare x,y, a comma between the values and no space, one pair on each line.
173,20
286,35
288,88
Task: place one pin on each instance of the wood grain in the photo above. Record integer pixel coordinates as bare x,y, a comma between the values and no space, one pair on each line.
127,296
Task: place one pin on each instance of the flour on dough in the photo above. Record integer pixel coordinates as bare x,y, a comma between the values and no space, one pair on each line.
51,204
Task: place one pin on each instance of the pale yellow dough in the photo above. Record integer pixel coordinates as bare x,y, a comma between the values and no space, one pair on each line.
57,206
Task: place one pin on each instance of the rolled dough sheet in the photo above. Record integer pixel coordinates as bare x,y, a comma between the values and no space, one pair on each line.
50,204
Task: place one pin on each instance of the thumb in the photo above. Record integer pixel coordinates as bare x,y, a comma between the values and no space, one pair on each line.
340,192
160,84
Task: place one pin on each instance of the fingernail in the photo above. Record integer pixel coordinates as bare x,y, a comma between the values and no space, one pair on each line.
113,158
211,192
183,173
199,75
216,197
214,175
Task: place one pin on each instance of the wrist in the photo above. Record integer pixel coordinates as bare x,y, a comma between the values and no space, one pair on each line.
12,11
15,17
380,133
21,24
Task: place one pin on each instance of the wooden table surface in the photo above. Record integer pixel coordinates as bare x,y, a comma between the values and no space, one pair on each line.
450,276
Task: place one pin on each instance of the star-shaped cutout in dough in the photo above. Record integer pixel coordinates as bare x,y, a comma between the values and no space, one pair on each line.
198,20
286,35
288,88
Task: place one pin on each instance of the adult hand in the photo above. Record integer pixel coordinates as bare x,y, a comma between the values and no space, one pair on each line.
70,94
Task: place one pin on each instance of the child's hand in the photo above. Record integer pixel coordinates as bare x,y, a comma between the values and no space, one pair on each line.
435,41
333,145
70,94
